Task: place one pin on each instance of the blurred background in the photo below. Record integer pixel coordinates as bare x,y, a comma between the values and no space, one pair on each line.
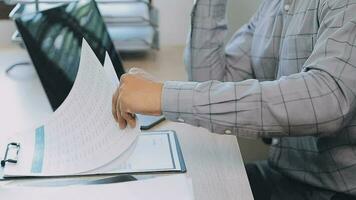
171,33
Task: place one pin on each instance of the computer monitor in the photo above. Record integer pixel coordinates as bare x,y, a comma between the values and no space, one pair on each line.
53,38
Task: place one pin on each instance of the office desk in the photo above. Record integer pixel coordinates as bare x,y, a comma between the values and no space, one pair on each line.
213,161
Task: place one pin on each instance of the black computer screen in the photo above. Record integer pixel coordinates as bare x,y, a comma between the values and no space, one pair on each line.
53,39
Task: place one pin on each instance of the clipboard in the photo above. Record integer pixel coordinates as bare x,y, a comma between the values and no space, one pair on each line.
172,147
13,146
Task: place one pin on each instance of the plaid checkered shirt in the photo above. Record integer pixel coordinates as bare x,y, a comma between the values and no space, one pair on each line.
289,73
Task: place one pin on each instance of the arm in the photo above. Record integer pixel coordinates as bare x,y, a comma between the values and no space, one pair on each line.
206,56
319,100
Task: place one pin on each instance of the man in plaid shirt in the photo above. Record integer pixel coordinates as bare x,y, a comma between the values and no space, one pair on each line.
288,74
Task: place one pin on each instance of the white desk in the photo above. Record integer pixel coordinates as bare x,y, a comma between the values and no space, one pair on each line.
213,161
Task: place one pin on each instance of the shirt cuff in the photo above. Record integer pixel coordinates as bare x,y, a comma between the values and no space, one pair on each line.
178,101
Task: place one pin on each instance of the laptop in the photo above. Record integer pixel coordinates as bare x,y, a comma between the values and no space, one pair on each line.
53,39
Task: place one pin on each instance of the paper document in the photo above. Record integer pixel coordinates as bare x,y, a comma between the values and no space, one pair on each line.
81,135
110,71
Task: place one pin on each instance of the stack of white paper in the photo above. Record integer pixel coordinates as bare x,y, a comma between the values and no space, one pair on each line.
81,135
176,187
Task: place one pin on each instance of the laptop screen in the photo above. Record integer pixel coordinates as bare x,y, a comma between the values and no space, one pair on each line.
53,39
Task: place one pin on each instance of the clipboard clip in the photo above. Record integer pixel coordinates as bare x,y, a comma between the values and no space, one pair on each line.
13,146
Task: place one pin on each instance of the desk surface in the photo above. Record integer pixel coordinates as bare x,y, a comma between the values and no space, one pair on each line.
213,161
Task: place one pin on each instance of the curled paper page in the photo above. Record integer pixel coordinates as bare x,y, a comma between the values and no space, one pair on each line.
82,134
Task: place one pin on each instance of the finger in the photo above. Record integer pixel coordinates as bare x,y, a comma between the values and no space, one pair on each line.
130,119
126,113
122,122
113,104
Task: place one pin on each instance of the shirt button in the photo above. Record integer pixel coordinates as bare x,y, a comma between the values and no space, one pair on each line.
286,7
228,131
180,120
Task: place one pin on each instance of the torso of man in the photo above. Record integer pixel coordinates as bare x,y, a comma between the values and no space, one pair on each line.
284,39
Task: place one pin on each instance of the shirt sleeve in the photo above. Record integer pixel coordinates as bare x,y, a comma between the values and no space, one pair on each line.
206,56
318,101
